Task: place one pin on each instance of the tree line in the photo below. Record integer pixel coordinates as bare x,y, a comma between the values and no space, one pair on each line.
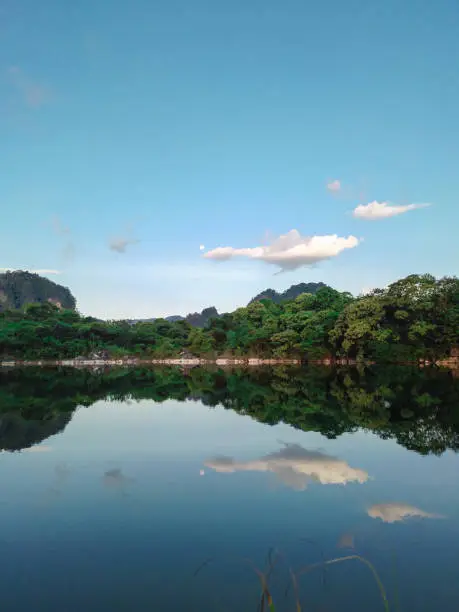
413,318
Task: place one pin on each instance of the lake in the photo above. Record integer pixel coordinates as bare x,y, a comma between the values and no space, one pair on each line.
168,490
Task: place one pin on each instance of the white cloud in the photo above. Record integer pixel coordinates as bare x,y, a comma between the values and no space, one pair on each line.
394,512
44,271
296,467
201,247
120,244
122,241
383,210
290,251
334,186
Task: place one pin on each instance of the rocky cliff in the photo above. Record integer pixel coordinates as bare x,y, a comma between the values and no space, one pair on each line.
17,289
289,294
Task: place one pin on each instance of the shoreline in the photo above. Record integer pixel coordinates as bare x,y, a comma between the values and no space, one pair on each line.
132,362
452,364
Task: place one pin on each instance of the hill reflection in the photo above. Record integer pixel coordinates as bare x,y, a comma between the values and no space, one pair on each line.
417,408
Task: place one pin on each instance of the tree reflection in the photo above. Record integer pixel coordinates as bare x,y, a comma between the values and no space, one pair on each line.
417,408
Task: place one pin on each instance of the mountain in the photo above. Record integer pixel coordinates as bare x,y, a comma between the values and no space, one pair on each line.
196,319
289,294
17,289
171,319
174,318
201,319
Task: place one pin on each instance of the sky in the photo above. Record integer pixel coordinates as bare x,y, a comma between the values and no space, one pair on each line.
159,157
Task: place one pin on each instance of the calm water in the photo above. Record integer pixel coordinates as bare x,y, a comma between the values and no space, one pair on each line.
135,490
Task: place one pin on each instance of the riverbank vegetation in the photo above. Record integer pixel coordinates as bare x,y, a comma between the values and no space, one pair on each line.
413,318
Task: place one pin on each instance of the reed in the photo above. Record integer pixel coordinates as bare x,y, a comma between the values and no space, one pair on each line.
266,602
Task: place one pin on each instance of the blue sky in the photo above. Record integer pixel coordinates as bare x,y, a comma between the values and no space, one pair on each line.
178,124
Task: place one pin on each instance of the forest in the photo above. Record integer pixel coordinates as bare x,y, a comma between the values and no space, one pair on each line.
414,318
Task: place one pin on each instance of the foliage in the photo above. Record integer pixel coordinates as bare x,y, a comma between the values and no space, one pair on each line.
416,317
290,294
196,319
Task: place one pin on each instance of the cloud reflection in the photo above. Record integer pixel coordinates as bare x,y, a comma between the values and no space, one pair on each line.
115,479
394,512
42,448
295,466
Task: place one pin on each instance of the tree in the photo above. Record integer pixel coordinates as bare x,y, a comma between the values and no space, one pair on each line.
200,342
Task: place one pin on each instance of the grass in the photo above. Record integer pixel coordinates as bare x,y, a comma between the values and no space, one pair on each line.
266,602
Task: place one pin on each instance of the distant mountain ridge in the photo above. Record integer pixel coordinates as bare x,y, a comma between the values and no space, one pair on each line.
289,294
196,319
202,319
19,288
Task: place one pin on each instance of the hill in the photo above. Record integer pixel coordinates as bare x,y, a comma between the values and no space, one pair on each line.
289,294
196,319
17,289
202,319
171,319
413,319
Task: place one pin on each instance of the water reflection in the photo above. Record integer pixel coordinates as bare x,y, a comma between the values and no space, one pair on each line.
72,540
295,466
394,512
117,480
41,448
417,408
24,429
